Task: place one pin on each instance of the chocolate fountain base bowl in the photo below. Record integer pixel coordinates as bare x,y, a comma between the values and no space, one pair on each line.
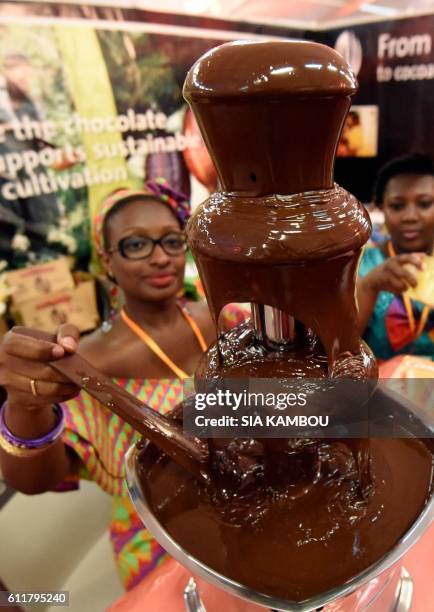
373,580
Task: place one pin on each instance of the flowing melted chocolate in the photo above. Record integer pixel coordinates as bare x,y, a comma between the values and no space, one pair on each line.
280,233
239,354
299,533
289,518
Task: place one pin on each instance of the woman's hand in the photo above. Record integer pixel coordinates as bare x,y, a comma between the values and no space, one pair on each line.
33,387
394,275
25,372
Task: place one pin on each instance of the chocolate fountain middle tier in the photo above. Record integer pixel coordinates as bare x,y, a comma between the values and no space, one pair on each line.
296,253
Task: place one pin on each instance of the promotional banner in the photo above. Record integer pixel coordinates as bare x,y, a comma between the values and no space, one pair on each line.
86,107
393,112
86,111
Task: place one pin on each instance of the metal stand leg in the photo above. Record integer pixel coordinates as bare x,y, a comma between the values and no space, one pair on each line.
404,592
192,600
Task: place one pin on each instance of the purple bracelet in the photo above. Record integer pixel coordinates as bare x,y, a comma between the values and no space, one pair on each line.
49,438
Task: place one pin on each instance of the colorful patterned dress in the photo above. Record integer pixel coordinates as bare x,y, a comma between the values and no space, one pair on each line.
101,439
388,331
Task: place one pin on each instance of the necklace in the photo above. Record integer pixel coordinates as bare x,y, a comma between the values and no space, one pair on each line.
408,307
156,349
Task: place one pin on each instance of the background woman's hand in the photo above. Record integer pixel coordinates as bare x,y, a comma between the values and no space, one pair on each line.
394,275
24,359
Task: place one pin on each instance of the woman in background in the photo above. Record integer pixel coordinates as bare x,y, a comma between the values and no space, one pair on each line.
152,345
392,323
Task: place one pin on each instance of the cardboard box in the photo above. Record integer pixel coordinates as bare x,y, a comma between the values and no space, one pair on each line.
77,306
39,282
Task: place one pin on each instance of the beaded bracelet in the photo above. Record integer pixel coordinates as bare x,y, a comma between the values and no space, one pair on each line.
35,443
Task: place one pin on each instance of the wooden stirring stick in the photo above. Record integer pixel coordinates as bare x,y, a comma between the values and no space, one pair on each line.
191,453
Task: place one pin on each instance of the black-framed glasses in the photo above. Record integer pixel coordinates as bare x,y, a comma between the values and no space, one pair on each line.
141,247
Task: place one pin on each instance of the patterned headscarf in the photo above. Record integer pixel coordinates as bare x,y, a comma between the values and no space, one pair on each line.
157,189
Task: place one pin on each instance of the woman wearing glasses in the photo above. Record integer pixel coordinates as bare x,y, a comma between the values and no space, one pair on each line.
151,346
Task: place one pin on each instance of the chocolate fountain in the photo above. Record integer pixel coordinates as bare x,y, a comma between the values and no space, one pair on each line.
297,523
291,524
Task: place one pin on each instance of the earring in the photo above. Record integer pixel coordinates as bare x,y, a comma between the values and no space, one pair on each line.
114,305
114,300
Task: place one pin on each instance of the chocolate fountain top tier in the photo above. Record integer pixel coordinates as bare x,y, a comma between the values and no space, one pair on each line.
269,107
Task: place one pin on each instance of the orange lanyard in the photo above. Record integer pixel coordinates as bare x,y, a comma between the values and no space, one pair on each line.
408,307
153,346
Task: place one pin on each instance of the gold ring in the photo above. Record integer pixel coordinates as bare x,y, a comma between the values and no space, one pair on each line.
33,387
